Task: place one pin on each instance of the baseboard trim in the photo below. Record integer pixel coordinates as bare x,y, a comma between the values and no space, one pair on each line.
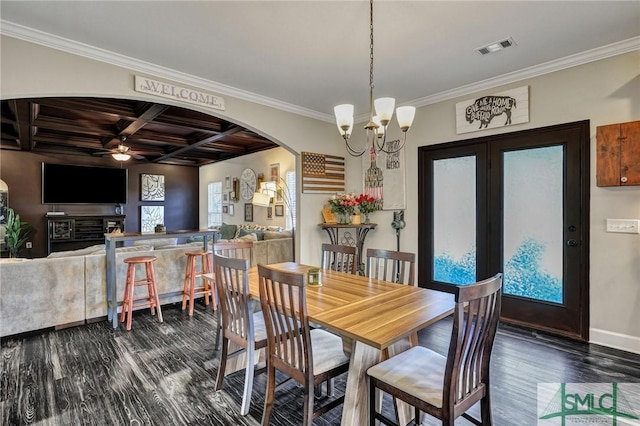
615,340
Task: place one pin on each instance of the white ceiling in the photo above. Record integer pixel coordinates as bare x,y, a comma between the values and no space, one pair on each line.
307,56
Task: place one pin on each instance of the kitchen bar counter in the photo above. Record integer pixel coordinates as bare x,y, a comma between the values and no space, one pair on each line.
111,241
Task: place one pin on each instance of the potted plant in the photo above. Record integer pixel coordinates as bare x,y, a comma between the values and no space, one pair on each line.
16,232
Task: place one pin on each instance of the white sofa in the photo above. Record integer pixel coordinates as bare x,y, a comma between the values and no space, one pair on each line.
70,288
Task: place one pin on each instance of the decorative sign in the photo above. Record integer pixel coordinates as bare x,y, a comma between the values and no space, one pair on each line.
488,112
384,176
171,91
322,173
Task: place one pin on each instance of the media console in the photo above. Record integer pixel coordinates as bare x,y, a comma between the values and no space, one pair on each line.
76,232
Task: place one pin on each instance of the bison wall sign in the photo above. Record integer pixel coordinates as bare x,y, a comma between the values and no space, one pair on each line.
498,110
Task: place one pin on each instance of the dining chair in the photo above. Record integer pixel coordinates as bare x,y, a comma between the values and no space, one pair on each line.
309,356
240,324
446,386
234,250
389,265
339,258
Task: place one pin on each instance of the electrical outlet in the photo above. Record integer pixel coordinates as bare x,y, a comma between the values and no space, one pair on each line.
626,226
29,244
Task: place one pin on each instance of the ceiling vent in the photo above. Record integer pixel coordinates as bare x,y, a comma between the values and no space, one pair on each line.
496,46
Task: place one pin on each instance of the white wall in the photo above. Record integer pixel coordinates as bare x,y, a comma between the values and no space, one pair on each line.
259,162
605,92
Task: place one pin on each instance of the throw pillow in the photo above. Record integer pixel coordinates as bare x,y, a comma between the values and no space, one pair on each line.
227,231
259,234
268,235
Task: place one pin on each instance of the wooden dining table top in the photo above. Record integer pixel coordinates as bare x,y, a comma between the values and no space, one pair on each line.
368,310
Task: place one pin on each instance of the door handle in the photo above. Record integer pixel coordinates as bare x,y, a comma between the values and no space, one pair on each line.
572,243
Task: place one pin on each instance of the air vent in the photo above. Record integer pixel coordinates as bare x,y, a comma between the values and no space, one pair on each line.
496,46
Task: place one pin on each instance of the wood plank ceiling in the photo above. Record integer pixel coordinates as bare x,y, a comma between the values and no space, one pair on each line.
155,133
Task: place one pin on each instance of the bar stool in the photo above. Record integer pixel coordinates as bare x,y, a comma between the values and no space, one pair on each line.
192,273
149,280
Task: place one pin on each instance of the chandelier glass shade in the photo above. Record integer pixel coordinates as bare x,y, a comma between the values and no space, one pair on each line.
376,128
120,156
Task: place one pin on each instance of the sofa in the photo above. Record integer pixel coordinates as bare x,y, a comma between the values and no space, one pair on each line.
69,288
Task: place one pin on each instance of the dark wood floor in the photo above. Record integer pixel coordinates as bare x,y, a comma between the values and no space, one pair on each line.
164,374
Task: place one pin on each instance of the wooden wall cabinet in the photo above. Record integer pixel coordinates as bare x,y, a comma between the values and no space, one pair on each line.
618,154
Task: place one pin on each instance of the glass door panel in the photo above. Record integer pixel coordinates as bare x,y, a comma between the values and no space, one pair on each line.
533,223
454,216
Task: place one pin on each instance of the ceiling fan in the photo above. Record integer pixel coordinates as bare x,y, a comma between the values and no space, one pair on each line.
122,152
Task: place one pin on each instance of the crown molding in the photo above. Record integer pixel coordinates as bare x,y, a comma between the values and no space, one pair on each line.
11,29
582,58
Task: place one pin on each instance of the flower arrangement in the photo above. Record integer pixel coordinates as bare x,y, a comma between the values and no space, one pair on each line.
366,204
343,202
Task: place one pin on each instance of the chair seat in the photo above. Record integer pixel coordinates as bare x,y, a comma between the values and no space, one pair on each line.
417,371
327,351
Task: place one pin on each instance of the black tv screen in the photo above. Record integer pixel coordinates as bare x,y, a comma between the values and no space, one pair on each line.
66,184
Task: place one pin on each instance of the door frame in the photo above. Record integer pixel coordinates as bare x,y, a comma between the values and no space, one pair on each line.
489,250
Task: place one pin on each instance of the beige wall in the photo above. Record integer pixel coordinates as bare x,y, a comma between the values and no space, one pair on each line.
607,91
604,92
259,162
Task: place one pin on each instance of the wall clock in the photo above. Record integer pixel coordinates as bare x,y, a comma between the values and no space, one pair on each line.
247,184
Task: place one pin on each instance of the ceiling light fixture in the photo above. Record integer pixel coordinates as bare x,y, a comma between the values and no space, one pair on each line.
120,156
376,128
121,153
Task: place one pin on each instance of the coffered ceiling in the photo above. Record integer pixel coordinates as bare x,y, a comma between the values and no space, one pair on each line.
95,127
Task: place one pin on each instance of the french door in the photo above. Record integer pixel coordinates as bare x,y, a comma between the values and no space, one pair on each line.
515,203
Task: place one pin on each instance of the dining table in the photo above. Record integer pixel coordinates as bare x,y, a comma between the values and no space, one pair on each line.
377,318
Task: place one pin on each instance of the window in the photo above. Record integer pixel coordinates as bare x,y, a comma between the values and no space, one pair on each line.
290,181
214,204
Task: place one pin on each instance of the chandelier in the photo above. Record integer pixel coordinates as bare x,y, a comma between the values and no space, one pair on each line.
376,128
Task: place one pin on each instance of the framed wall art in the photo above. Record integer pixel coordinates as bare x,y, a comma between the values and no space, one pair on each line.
270,213
279,209
274,170
248,212
384,177
151,187
150,216
225,209
231,209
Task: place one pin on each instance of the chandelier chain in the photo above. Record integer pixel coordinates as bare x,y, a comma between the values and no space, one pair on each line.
371,44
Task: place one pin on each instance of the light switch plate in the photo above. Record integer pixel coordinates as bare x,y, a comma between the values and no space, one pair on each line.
625,226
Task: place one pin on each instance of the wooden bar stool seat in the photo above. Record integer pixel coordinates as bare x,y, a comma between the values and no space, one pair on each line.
192,273
151,299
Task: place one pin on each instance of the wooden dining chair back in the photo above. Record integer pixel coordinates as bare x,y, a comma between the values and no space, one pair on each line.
309,356
240,324
339,258
389,265
446,387
234,250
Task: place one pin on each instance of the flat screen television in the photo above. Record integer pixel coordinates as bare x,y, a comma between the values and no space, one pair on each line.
67,184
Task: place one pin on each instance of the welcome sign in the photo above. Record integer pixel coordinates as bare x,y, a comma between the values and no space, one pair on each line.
166,90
